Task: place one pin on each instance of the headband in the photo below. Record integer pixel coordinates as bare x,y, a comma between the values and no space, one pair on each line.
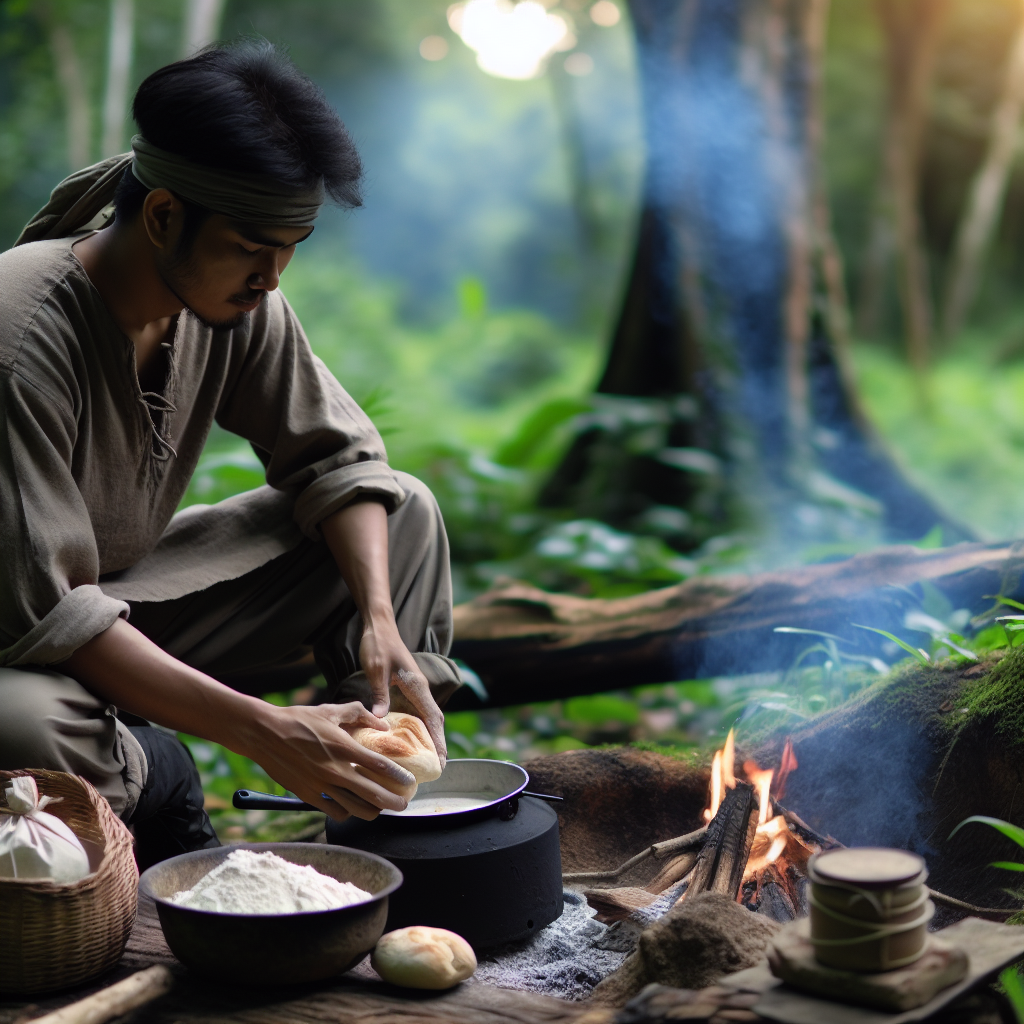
247,197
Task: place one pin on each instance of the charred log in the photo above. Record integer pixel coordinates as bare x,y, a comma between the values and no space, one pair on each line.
723,858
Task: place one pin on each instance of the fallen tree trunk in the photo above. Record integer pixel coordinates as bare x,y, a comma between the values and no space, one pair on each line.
529,645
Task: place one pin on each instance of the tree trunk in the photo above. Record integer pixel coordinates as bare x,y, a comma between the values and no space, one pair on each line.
528,645
986,195
911,29
202,24
875,264
719,331
119,66
77,114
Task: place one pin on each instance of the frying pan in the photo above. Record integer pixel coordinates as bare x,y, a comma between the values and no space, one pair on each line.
469,786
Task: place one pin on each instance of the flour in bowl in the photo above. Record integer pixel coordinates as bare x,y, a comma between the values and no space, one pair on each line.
263,883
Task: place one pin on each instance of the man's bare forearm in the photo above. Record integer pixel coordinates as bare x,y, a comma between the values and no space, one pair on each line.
357,536
126,668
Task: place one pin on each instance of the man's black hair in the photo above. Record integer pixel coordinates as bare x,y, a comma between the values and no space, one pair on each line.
243,107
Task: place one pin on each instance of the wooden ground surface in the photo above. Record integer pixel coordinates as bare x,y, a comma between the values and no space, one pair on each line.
349,999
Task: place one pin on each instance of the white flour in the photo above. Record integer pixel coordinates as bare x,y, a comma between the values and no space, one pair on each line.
263,883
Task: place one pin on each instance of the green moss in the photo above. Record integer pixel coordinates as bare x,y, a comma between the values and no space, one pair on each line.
693,755
995,698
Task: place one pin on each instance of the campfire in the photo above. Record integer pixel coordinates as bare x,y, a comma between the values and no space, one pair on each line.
751,848
775,869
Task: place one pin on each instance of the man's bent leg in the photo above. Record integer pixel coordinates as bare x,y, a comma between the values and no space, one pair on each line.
47,720
299,603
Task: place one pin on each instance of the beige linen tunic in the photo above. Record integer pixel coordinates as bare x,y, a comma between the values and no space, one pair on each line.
92,469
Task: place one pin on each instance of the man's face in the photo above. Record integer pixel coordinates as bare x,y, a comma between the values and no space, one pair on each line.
229,268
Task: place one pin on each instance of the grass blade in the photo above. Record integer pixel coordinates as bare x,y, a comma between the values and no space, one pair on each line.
1014,989
1013,832
956,647
808,632
915,651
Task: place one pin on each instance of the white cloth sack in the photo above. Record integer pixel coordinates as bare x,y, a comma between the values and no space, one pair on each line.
34,844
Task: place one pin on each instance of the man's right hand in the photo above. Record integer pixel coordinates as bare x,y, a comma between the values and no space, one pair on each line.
310,752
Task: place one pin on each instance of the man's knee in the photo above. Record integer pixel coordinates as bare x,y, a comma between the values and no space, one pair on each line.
419,511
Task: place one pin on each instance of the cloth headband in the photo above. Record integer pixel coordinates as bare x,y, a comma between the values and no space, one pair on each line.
247,197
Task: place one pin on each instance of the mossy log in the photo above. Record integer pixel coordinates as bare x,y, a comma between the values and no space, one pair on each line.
912,757
529,645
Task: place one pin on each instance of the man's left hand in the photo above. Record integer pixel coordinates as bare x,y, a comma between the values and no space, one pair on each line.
387,662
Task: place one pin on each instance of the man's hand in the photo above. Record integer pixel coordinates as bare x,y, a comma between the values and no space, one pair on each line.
309,751
387,662
358,538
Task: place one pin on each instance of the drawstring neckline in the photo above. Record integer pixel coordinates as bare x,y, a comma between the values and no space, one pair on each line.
153,402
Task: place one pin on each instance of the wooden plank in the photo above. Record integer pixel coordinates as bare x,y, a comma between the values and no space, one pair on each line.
529,645
348,999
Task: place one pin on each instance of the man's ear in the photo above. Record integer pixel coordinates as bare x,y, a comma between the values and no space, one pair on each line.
162,214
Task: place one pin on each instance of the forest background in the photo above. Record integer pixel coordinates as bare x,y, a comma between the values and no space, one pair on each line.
469,305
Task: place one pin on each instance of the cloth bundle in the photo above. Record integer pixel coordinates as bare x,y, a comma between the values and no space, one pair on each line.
34,844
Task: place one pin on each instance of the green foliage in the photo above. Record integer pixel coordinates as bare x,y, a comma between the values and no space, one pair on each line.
967,448
1013,987
601,709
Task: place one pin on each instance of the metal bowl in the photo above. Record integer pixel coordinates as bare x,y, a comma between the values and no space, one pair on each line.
273,949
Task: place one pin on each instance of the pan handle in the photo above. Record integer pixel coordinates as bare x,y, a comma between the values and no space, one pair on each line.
543,796
250,800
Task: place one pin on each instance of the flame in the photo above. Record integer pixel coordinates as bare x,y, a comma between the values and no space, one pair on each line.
773,837
723,775
762,783
729,760
788,764
716,787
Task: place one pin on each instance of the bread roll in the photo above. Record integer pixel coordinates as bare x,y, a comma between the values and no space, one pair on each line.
421,957
407,743
407,792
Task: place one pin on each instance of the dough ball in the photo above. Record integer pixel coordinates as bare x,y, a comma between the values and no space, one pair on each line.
406,742
421,957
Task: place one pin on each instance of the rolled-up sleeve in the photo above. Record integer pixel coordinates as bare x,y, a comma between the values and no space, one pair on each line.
50,604
313,438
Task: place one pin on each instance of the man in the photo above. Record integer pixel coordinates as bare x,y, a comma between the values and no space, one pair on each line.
119,348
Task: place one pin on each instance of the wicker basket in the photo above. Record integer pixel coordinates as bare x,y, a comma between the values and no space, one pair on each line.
54,936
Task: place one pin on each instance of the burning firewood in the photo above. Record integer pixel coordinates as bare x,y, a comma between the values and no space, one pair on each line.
752,849
723,858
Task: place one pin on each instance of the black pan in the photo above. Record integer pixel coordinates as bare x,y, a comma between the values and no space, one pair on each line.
468,786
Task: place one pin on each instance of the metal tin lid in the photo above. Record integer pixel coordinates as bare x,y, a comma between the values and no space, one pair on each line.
870,867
